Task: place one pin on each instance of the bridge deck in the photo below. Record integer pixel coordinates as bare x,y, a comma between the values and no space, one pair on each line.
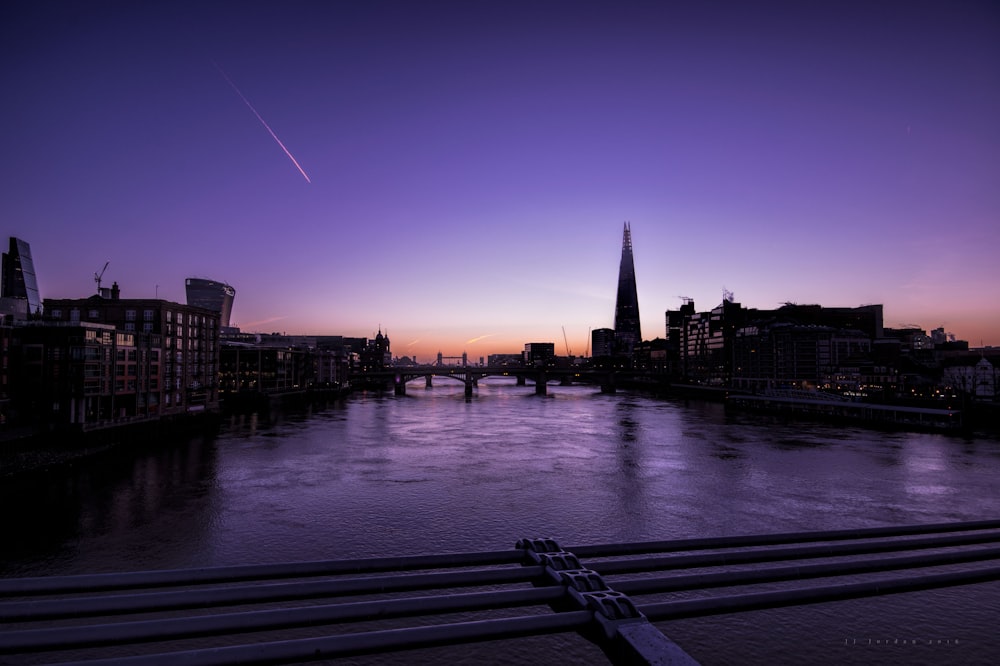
292,612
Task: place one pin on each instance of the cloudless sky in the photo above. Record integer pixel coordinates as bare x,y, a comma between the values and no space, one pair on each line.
472,163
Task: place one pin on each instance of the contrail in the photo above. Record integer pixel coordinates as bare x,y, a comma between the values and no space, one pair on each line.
266,126
265,321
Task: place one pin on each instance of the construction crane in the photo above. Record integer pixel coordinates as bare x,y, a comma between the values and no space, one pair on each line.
98,276
566,341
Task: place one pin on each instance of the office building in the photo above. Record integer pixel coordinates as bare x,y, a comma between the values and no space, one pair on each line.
19,289
539,353
627,330
778,354
794,345
602,342
211,295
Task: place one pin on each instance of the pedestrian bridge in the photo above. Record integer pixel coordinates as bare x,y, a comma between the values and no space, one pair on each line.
609,594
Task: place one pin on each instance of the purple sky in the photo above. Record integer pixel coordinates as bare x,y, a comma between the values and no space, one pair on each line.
472,163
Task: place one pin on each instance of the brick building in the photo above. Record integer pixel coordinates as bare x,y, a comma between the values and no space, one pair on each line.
183,341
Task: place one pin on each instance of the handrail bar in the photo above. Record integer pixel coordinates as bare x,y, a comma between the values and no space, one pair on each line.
138,579
114,604
613,567
343,645
688,608
247,621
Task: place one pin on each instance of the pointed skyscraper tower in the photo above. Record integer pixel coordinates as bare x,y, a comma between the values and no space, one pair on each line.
627,333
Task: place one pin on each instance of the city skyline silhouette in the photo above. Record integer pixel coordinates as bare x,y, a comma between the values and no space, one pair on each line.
471,165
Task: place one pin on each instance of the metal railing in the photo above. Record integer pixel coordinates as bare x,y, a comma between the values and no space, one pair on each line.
228,615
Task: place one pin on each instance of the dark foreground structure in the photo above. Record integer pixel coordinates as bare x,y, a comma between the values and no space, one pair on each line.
608,593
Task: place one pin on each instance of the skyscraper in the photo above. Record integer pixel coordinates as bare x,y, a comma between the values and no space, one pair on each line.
211,295
627,333
20,288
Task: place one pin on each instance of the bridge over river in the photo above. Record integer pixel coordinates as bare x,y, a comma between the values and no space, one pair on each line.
470,375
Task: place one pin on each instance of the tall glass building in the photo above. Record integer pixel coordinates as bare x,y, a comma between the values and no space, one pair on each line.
19,282
211,295
627,333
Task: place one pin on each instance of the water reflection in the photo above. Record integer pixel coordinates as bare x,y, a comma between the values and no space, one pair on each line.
115,499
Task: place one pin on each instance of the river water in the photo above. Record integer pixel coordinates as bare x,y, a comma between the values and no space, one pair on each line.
430,472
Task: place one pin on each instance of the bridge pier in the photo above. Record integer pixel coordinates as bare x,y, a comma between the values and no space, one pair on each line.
540,385
399,385
430,384
520,380
608,383
469,383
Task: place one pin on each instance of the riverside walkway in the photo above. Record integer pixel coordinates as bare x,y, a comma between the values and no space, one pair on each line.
610,594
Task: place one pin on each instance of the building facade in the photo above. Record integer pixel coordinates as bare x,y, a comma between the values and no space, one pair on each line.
627,330
539,353
795,345
602,342
184,338
783,355
274,364
211,295
84,374
978,379
377,354
19,298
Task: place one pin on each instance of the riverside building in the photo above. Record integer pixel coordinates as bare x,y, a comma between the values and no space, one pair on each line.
179,343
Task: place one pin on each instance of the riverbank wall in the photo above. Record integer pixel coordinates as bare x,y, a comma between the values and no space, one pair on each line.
31,451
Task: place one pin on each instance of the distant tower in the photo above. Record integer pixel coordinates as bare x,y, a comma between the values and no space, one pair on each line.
20,287
627,333
211,295
377,354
